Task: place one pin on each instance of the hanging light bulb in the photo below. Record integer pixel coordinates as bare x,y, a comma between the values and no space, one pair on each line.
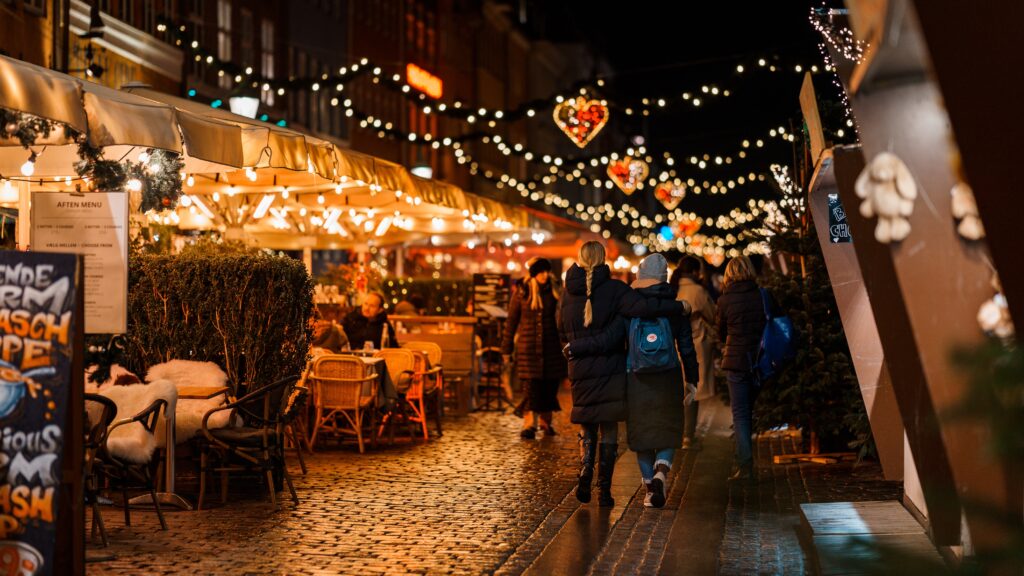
135,185
143,157
284,193
29,167
190,181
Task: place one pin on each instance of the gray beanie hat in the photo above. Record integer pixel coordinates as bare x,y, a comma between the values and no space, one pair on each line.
654,267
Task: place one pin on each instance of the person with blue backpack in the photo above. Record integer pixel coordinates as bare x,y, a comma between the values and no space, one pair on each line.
656,393
747,319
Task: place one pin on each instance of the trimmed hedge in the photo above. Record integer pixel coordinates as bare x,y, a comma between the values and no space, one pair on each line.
247,312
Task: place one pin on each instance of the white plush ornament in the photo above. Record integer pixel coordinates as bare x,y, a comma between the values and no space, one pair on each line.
888,191
994,314
965,209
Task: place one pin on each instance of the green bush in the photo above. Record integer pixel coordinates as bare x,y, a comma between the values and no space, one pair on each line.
246,311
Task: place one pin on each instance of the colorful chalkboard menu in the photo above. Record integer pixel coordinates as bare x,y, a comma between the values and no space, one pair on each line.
38,316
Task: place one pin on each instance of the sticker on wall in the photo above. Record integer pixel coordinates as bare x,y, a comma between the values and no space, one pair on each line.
965,210
888,191
838,227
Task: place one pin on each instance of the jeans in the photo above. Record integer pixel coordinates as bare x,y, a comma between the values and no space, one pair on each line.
648,458
742,395
609,431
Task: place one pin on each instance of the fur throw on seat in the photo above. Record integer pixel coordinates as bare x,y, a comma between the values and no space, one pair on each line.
190,412
119,375
132,442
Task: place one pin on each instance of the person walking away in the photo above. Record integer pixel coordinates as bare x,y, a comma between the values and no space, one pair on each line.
741,321
657,397
369,323
532,331
592,321
687,281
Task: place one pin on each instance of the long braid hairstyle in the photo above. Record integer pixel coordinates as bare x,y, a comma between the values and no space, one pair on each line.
591,256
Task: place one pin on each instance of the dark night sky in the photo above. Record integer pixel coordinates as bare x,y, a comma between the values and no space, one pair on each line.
661,49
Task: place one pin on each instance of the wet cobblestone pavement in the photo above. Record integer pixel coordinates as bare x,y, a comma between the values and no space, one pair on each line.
479,500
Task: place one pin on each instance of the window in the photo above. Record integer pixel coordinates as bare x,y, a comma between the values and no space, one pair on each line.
267,56
246,43
224,38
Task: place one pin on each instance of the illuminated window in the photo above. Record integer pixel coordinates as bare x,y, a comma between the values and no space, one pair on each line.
267,56
224,37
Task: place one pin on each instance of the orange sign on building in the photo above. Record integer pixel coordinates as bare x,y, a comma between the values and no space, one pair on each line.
423,81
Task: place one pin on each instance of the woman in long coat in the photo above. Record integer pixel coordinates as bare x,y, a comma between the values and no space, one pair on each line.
532,330
686,279
592,320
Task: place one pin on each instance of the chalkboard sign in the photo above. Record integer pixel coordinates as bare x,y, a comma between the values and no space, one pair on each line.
39,313
838,227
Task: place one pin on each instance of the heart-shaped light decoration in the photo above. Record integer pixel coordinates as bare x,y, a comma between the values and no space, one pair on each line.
581,119
628,173
687,227
669,194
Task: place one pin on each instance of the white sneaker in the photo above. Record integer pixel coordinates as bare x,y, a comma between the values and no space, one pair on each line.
648,497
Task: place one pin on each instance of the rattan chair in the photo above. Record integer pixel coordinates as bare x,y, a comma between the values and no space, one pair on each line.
258,443
343,395
401,365
431,378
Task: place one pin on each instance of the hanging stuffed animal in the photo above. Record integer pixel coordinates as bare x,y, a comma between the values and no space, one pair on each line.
965,209
888,190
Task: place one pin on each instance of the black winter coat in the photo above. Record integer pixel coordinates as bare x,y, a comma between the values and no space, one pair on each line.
538,348
597,367
741,323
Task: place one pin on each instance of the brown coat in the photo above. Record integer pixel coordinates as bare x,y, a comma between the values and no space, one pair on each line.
538,349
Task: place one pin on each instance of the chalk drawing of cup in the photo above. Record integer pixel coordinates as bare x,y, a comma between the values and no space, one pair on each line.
14,385
19,558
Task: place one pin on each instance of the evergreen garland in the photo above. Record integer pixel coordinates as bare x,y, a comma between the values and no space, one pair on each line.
26,128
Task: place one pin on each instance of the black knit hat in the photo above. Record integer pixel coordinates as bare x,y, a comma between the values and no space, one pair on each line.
537,265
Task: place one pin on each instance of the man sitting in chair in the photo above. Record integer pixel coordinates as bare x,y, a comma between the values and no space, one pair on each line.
369,323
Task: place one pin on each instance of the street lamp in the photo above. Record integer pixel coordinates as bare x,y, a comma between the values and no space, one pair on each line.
244,101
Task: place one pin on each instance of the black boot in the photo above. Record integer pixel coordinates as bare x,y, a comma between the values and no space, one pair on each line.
588,449
606,468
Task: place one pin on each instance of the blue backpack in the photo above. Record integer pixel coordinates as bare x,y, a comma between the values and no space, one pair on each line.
776,343
651,347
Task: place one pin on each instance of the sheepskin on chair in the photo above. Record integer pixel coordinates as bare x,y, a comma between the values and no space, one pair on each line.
190,412
132,442
116,371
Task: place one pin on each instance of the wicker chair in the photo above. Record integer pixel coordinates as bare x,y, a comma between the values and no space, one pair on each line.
258,443
432,380
402,366
343,396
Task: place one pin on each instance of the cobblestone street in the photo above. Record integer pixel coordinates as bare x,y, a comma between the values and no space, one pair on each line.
480,500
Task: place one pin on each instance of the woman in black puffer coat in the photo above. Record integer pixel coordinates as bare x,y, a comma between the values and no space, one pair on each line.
741,321
532,330
592,320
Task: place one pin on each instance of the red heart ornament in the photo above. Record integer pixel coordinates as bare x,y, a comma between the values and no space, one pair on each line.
687,227
628,173
714,258
581,119
669,194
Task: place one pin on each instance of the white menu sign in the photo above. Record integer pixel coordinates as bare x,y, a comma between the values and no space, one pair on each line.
94,224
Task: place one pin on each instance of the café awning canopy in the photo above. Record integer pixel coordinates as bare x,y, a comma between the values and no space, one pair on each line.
245,177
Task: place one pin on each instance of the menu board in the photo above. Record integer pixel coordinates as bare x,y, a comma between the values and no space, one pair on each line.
38,313
93,224
490,296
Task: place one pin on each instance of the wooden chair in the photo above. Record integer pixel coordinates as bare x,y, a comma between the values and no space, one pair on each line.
342,391
258,443
100,412
401,364
432,380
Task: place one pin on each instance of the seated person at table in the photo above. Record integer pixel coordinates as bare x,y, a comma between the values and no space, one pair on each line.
329,336
368,322
413,306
